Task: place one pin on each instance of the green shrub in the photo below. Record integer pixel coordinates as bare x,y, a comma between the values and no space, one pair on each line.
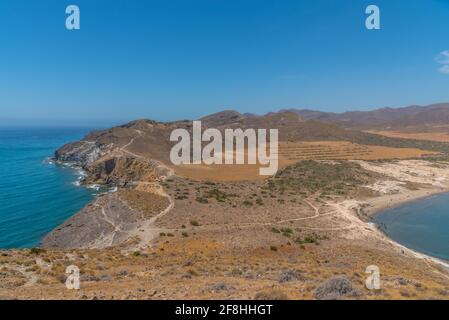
202,200
314,238
275,230
36,251
247,203
194,223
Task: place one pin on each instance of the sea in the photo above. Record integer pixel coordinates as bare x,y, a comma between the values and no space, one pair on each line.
421,225
36,193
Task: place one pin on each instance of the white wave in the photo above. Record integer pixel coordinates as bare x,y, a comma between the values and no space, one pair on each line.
112,190
48,161
96,187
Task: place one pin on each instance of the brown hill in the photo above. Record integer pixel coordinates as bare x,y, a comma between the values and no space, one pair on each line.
149,139
307,125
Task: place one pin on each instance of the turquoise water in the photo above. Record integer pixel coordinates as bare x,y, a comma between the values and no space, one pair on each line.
422,225
36,195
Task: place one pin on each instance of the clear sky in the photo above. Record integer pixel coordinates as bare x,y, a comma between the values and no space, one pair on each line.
175,59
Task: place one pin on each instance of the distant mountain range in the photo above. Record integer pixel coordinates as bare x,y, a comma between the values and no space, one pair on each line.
416,117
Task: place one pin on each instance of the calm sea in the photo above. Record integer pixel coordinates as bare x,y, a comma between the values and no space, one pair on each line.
36,195
422,225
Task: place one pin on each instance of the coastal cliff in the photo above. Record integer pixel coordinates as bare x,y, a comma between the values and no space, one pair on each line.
110,219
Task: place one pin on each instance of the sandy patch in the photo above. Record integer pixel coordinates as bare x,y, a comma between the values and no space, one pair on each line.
387,186
416,171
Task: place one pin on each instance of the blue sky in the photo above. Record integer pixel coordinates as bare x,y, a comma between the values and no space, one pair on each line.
168,60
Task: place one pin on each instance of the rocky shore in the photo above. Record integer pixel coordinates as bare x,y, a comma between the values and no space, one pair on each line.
109,220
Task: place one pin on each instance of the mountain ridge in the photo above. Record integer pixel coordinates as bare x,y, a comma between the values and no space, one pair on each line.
419,117
152,139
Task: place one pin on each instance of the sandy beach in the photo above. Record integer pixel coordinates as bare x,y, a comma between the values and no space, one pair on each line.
433,180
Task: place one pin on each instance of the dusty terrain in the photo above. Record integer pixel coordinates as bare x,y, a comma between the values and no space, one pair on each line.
280,238
301,234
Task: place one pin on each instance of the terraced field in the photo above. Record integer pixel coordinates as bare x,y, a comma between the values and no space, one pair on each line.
292,152
341,150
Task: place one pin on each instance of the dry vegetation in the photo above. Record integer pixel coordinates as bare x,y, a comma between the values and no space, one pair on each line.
200,268
322,178
148,203
283,238
289,237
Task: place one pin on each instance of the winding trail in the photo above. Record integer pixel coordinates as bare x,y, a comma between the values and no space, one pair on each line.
150,232
112,223
316,215
147,231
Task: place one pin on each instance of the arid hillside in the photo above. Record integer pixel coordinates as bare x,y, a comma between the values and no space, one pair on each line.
300,235
225,232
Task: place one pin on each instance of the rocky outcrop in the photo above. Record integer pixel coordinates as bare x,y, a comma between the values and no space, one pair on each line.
111,157
124,170
81,153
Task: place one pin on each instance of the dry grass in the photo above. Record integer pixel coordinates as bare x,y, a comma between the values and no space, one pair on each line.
149,204
191,268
